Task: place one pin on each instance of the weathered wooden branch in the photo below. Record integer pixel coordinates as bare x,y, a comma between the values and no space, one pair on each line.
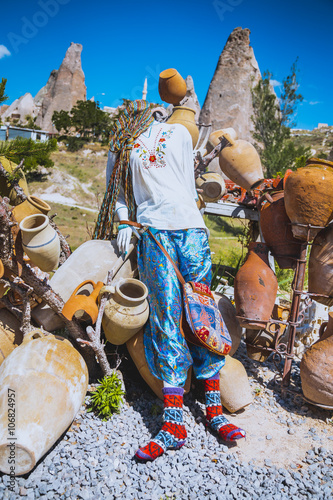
14,182
25,292
201,162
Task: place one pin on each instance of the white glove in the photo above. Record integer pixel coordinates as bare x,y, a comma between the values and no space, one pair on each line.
123,239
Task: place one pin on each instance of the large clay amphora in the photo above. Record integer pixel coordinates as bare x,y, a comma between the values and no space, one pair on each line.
185,116
127,310
83,304
32,205
40,242
309,197
276,230
320,269
234,385
241,163
316,368
136,350
255,289
171,86
212,185
5,186
42,386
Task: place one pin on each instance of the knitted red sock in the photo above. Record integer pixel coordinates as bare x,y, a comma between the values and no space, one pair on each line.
173,433
214,413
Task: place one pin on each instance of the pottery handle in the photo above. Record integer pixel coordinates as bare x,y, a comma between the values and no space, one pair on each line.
82,284
322,328
95,293
228,137
108,289
32,335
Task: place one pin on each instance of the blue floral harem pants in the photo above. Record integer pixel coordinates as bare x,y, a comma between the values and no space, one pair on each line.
167,353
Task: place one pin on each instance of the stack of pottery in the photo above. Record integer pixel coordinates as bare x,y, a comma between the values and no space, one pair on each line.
255,289
185,116
316,368
126,311
5,186
82,306
309,198
321,267
276,230
241,163
212,186
40,242
45,381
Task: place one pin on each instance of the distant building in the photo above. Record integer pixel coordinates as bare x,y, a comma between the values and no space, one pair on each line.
322,125
10,132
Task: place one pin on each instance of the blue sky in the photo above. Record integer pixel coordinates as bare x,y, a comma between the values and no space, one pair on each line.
125,41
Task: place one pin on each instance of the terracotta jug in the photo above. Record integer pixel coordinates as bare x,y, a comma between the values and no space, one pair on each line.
5,187
316,368
212,185
214,138
234,385
171,86
309,197
228,313
126,311
320,268
80,305
44,381
255,288
32,205
136,350
241,163
276,230
10,333
185,116
40,242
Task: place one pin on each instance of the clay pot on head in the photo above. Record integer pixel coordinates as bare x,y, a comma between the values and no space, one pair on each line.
83,305
234,385
32,205
127,310
40,242
255,289
309,197
171,86
320,269
185,116
45,379
241,163
276,230
316,368
5,186
136,350
212,185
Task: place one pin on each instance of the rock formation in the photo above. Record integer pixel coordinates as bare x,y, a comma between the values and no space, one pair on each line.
64,88
229,102
191,99
20,108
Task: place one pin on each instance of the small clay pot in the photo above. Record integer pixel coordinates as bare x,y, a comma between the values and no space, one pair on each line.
171,86
32,205
234,385
83,304
212,185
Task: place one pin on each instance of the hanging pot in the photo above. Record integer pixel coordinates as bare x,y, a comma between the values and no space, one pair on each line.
40,242
212,185
5,186
320,269
171,86
42,386
241,163
127,310
80,305
316,368
234,385
185,116
136,350
32,205
309,197
276,230
255,288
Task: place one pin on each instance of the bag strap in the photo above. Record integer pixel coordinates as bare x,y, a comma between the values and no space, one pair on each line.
136,224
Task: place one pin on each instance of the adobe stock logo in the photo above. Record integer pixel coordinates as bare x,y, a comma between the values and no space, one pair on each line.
30,27
226,6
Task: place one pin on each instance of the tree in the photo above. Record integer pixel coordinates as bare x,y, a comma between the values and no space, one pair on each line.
62,121
272,120
3,96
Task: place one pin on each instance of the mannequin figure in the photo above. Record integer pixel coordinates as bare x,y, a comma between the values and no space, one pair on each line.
162,175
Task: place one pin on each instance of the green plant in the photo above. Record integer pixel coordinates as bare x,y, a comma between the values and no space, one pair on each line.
107,398
155,410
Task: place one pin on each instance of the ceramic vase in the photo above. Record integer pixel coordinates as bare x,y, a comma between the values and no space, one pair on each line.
255,289
234,385
136,350
127,310
6,188
212,185
45,379
241,163
276,230
316,368
171,86
309,197
82,305
320,268
40,242
32,205
185,116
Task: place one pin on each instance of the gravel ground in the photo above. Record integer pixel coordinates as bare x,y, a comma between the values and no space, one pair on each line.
94,459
